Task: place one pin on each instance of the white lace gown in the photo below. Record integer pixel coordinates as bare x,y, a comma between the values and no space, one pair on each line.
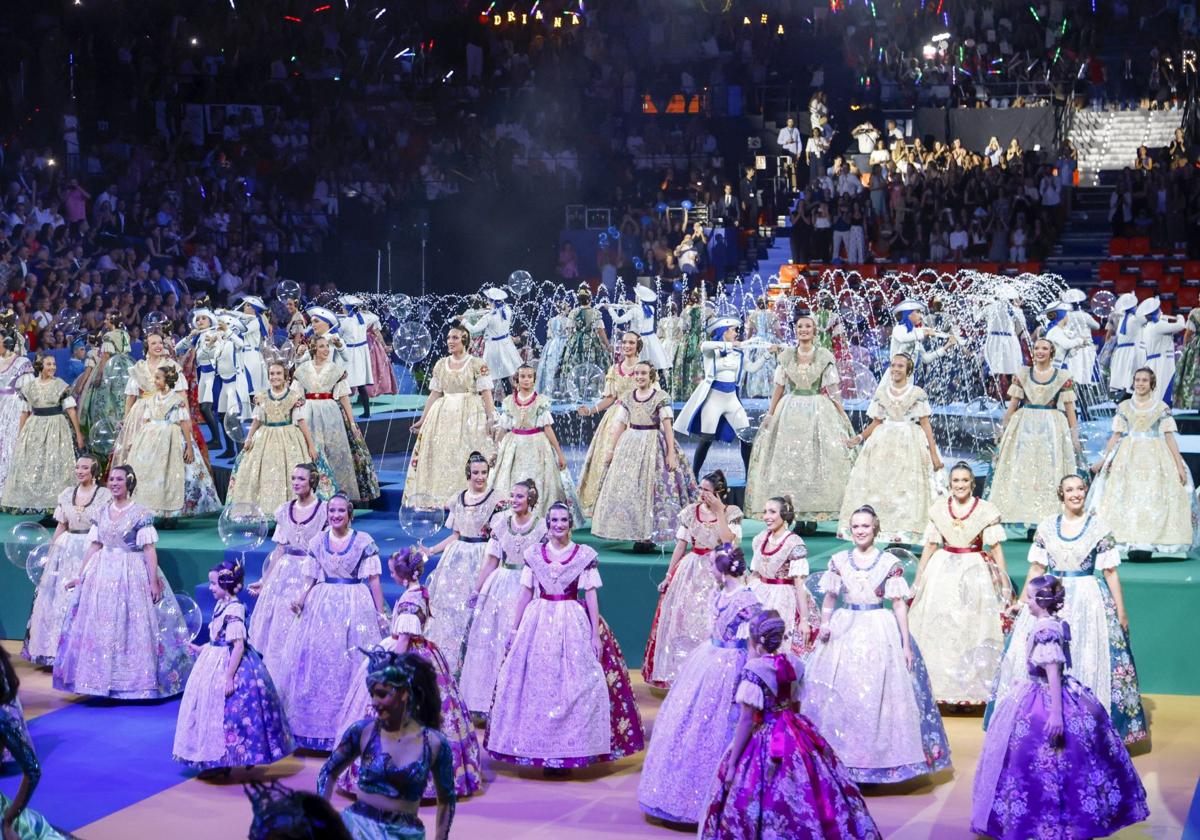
776,570
16,371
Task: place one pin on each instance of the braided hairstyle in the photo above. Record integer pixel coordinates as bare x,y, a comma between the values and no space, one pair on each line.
230,575
719,483
767,629
407,564
730,560
1048,593
787,508
475,457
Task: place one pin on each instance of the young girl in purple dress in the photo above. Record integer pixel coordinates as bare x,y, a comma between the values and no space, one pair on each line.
230,715
1053,764
779,779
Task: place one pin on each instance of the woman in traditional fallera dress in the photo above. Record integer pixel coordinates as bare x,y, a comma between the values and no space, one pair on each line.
277,441
549,366
866,686
1143,488
297,524
1039,438
687,369
778,573
409,615
120,640
1186,393
1073,545
140,389
560,702
763,324
646,484
176,481
15,368
618,383
780,779
69,545
587,342
497,590
391,781
341,609
43,460
382,372
456,421
694,724
102,393
803,433
1052,763
230,715
530,448
463,552
330,419
682,620
960,592
894,473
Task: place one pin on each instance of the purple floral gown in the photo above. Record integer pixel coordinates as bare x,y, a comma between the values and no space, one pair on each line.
1026,786
789,783
246,728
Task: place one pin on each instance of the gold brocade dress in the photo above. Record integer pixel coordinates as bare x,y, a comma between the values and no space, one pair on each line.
955,616
801,452
525,453
263,473
43,461
1035,450
893,473
454,427
168,485
1138,492
618,384
141,385
323,389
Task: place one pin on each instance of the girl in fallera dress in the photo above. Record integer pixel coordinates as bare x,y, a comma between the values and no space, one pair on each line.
297,524
761,323
646,483
43,460
778,572
618,384
69,545
866,687
456,421
1039,438
1143,488
497,591
341,610
803,433
549,380
553,707
400,749
277,441
694,724
408,636
1072,546
452,582
119,641
894,473
178,482
102,389
139,389
960,592
230,715
15,368
780,779
382,373
1052,763
529,447
683,619
330,420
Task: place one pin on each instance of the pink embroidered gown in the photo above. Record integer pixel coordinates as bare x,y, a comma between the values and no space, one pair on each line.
776,571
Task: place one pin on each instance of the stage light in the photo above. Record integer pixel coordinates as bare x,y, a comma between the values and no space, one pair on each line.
195,42
320,9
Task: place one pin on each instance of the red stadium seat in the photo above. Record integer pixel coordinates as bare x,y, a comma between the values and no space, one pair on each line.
1169,285
1124,283
1110,270
1150,271
1139,246
1188,297
1118,246
1191,270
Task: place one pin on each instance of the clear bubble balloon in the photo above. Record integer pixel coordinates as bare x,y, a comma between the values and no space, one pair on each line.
859,383
67,319
242,526
37,562
235,427
279,312
401,306
984,660
22,539
585,383
102,436
116,371
1102,303
411,342
286,352
154,321
288,290
421,518
172,608
520,283
908,561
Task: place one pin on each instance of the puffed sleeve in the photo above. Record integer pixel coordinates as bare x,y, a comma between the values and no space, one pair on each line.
279,535
610,382
341,388
798,560
435,379
920,407
131,386
298,407
24,399
932,535
235,622
93,533
664,410
1015,391
993,534
260,411
735,516
1120,423
779,379
1107,555
1047,648
590,579
310,566
483,378
147,535
527,577
493,547
68,402
1167,425
682,534
181,384
831,581
749,693
830,378
451,507
60,515
1037,551
622,415
875,409
895,588
543,418
369,564
1066,395
405,620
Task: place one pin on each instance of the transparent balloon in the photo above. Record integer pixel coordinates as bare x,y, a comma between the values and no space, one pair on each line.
1102,303
288,290
155,321
908,562
235,427
421,518
180,607
411,342
37,563
984,660
116,371
585,383
22,539
242,526
286,352
279,312
520,283
67,319
400,307
102,436
859,383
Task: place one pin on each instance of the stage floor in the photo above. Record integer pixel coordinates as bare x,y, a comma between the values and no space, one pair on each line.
105,789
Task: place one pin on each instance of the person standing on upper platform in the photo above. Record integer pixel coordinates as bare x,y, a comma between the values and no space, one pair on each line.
1158,345
495,325
1005,329
908,336
641,318
1126,355
354,325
